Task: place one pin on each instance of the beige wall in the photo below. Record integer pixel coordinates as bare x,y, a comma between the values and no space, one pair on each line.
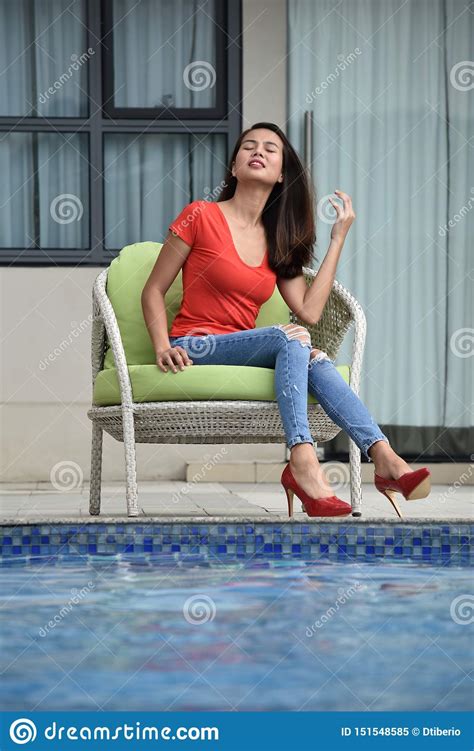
264,62
45,387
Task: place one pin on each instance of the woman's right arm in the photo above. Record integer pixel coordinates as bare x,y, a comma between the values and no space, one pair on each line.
167,266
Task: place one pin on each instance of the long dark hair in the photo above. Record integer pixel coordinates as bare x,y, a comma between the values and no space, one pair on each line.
288,215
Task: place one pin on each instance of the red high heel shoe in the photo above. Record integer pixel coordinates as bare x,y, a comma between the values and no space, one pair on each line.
329,506
412,485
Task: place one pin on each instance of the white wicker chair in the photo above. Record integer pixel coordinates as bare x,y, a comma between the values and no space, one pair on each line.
212,421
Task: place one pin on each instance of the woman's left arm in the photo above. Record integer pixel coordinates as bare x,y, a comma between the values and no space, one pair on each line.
317,293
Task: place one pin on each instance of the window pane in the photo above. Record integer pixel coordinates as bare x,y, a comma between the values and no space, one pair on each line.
149,179
44,190
164,53
43,58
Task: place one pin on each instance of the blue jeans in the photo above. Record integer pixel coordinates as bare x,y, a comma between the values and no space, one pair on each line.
296,374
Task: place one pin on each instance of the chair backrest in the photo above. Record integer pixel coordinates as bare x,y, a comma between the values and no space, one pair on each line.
126,277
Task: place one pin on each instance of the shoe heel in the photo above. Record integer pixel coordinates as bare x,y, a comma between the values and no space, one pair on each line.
420,491
390,494
289,496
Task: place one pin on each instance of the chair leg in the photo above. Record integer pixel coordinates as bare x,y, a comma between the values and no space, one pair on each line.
96,470
130,462
356,478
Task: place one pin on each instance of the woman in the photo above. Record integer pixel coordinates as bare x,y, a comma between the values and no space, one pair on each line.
261,233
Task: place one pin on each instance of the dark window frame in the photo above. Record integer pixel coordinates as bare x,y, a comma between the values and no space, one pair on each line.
102,121
165,113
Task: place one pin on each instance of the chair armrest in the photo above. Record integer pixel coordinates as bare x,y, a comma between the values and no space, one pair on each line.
104,322
98,338
341,312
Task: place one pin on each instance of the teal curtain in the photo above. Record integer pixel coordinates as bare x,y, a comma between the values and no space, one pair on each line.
390,87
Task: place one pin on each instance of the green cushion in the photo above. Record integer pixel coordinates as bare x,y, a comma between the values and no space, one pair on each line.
196,382
126,278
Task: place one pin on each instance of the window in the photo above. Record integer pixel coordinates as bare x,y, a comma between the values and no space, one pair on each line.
113,116
148,176
43,56
162,58
44,193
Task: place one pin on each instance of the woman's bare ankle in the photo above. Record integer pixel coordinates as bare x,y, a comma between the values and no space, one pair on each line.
308,471
386,461
302,454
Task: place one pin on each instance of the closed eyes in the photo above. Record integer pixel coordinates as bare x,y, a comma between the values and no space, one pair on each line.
250,148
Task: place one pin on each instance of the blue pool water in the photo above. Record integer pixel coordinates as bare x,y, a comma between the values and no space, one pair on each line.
246,635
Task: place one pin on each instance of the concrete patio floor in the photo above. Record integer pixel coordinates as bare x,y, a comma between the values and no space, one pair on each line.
216,501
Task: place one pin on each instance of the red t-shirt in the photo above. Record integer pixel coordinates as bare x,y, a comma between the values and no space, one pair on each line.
221,293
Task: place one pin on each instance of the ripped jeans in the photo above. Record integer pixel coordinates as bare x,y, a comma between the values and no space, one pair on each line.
299,369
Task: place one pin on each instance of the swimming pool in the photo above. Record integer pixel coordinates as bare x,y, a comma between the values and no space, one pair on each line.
197,633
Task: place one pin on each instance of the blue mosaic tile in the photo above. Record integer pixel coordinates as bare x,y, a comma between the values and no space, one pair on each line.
69,542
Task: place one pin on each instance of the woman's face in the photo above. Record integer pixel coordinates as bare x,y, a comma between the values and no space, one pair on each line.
266,147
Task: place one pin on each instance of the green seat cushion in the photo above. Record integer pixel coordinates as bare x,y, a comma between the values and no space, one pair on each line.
126,277
196,382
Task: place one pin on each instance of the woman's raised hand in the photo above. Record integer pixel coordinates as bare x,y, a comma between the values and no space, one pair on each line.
345,216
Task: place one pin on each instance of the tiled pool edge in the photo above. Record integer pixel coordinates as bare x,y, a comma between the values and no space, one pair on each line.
152,538
220,519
